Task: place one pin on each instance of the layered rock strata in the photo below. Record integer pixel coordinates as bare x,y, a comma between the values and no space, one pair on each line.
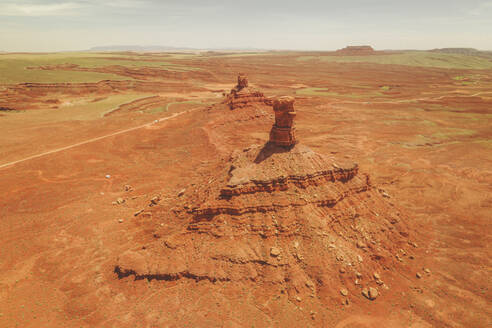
283,131
281,217
242,95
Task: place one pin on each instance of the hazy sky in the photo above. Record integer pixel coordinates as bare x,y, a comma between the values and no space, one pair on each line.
49,25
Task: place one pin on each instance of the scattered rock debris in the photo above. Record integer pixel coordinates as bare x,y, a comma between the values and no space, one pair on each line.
155,200
138,212
274,251
128,188
370,293
181,192
344,291
360,245
120,201
418,275
120,220
310,284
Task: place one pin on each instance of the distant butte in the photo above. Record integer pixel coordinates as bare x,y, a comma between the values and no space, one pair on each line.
242,95
356,50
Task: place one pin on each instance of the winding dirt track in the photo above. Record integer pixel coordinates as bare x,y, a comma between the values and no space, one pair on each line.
95,139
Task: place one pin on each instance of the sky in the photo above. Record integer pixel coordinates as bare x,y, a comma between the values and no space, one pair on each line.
58,25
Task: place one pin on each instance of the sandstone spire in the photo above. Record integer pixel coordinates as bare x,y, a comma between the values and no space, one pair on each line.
283,131
242,81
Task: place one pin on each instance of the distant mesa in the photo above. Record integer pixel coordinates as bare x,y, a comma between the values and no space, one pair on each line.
283,131
457,51
242,95
356,50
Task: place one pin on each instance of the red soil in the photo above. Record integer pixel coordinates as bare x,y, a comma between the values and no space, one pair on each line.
222,238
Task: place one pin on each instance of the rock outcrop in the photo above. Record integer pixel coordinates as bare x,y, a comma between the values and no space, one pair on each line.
283,131
356,50
283,217
270,179
242,95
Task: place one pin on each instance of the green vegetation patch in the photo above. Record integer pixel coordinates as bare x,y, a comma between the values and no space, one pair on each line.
323,92
487,143
13,71
439,108
447,135
165,109
20,68
237,54
407,122
466,80
97,109
412,58
450,133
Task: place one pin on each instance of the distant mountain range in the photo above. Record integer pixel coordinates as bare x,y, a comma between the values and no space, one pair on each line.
137,48
163,48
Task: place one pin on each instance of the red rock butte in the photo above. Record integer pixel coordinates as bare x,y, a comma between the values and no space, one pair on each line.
356,50
242,95
275,216
283,131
